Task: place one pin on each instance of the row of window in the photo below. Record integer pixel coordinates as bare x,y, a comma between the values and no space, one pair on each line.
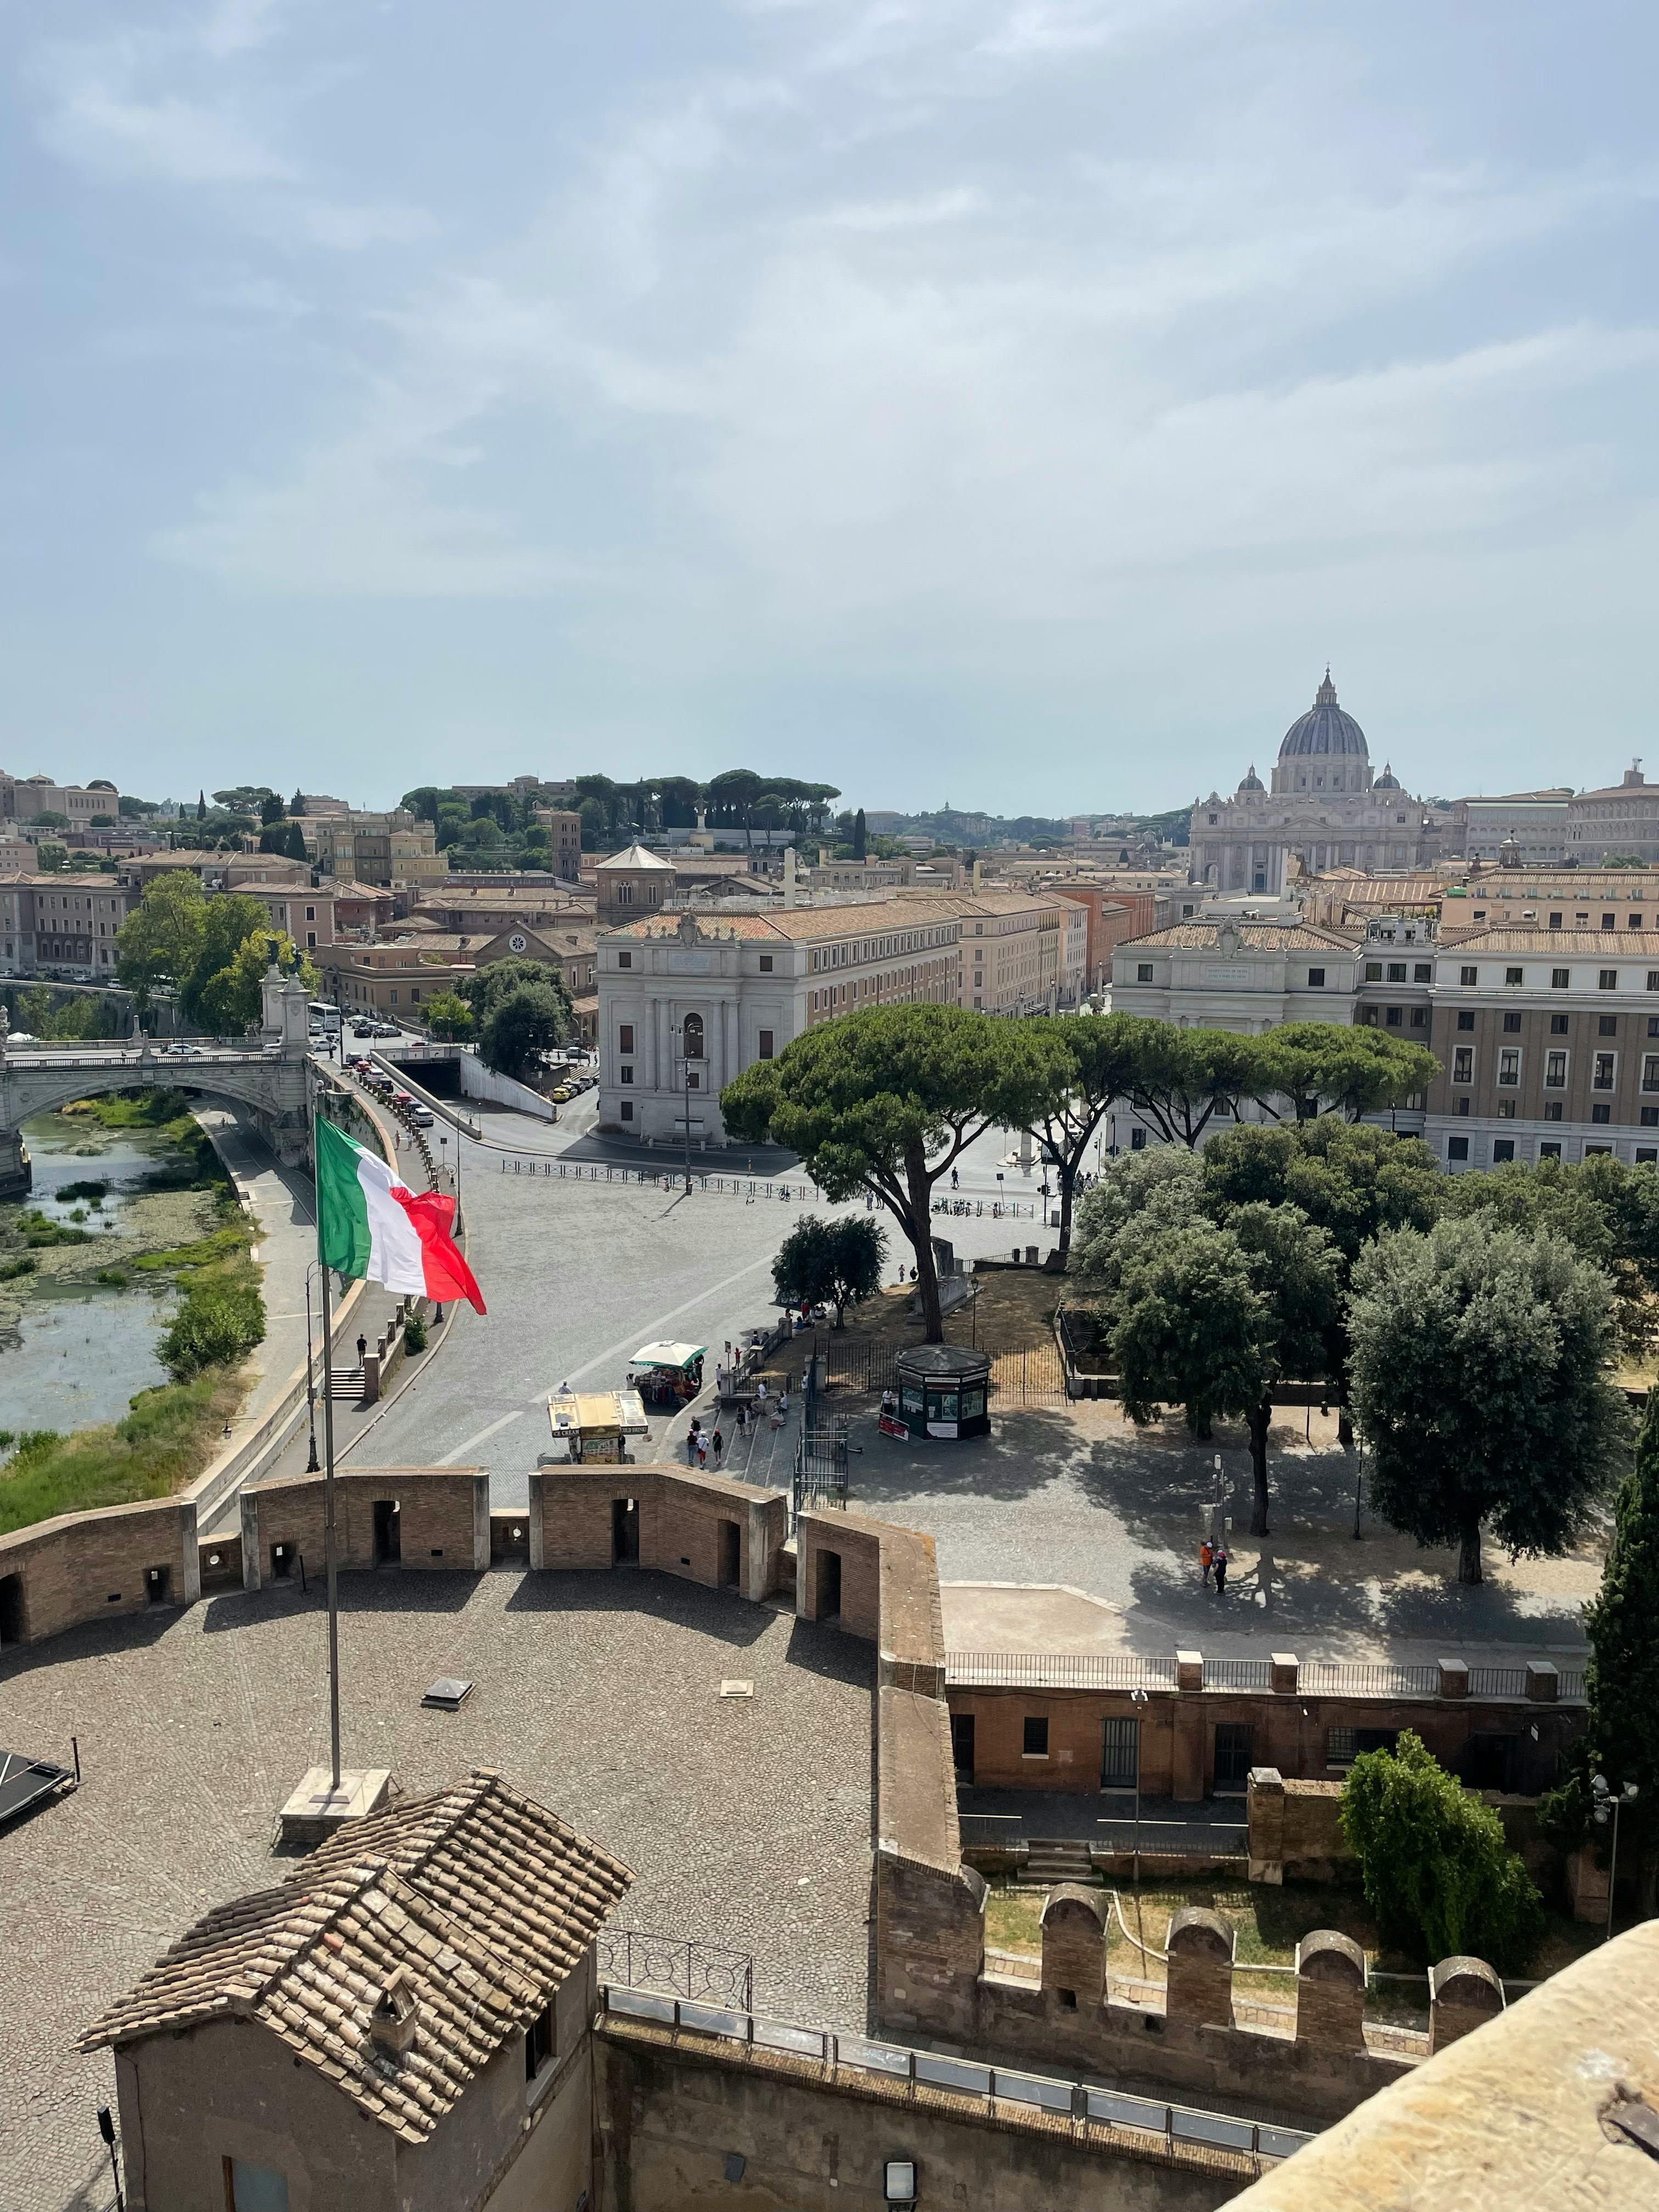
1503,1151
1607,979
1604,1072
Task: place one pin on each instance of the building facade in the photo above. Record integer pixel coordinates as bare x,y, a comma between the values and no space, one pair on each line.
62,927
24,799
391,848
684,1005
1528,827
1619,823
1324,809
1548,1045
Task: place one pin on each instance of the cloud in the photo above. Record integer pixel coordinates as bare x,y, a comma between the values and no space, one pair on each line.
98,121
349,230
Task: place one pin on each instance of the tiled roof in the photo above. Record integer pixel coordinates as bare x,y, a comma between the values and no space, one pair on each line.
1606,945
1252,936
483,1897
805,923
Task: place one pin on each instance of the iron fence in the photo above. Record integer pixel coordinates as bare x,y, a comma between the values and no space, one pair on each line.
1057,1670
1353,1679
702,1972
1497,1682
928,2069
1238,1675
819,1480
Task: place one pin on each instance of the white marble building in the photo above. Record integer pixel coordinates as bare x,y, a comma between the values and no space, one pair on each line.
1324,807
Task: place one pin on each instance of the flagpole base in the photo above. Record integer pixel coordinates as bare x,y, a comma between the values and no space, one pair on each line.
313,1813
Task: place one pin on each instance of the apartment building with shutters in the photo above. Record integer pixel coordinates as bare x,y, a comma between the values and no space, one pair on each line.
1548,1041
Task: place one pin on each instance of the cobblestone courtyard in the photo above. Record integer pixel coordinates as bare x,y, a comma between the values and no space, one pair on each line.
747,1822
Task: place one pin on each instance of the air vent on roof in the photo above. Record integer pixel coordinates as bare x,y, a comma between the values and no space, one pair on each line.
448,1695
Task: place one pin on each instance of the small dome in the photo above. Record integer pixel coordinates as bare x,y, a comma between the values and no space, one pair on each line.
1252,781
1387,780
1324,729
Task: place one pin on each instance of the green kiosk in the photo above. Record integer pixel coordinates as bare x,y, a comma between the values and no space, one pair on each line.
943,1390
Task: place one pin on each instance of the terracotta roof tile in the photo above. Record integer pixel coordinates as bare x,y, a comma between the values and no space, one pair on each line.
484,1898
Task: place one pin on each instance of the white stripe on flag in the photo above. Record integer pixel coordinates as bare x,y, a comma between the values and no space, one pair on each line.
395,1257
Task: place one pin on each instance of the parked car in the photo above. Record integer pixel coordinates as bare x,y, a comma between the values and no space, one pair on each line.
364,1029
422,1117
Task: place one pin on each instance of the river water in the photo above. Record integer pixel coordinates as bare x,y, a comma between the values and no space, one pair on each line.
83,1352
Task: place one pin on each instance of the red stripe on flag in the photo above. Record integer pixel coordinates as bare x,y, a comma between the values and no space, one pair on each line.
447,1275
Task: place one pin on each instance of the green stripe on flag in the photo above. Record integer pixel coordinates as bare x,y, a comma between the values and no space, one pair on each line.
342,1240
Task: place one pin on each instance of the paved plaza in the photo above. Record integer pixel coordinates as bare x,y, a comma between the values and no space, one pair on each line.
747,1822
1076,1495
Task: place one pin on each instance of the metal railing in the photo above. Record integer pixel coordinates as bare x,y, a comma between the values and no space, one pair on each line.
1057,1670
929,2070
1238,1675
1570,1690
1358,1679
1497,1682
638,1960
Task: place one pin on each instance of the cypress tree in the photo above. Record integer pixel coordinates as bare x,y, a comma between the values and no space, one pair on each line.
860,835
201,805
1622,1679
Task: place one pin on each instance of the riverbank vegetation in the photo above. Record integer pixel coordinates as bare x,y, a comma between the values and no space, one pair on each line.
181,1231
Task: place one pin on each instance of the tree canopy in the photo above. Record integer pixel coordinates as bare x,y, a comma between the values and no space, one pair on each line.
1437,1867
1477,1358
1100,1055
886,1101
830,1260
1330,1066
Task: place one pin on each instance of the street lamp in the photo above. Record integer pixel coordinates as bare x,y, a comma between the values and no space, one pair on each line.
313,1463
1609,1802
1137,1697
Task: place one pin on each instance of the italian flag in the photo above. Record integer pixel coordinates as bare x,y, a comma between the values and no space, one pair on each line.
370,1223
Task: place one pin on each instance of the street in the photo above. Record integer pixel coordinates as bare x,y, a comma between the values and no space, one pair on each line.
577,1274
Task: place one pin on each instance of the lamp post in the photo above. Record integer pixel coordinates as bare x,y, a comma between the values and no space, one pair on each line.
312,1463
1609,1802
1137,1697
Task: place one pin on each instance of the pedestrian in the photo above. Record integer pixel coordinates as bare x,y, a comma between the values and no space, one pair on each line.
956,1180
362,1350
743,1416
691,1445
1220,1569
1206,1558
720,1446
702,1449
783,1405
760,1392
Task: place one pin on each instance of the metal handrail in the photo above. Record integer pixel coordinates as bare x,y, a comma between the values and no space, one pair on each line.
1076,2100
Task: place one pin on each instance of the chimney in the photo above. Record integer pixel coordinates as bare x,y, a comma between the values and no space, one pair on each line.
396,2015
789,875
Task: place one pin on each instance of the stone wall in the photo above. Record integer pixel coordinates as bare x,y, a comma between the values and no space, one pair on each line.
1289,1729
86,1566
681,1513
685,2120
442,1521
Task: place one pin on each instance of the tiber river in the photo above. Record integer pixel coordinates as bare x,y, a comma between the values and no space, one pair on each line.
83,1352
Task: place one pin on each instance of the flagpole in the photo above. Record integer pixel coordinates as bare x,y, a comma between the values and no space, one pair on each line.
330,1557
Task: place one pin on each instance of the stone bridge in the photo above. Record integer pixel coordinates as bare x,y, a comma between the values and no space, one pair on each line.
268,1073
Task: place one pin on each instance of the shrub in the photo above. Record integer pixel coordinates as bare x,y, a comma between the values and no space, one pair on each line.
114,1276
1438,1869
25,1264
415,1334
89,1193
218,1324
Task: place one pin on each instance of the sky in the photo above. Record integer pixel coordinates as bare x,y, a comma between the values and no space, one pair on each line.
1013,403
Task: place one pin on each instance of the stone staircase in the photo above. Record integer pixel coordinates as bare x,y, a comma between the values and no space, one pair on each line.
1059,1859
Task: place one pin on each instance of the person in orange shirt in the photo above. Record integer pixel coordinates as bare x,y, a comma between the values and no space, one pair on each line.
1205,1557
